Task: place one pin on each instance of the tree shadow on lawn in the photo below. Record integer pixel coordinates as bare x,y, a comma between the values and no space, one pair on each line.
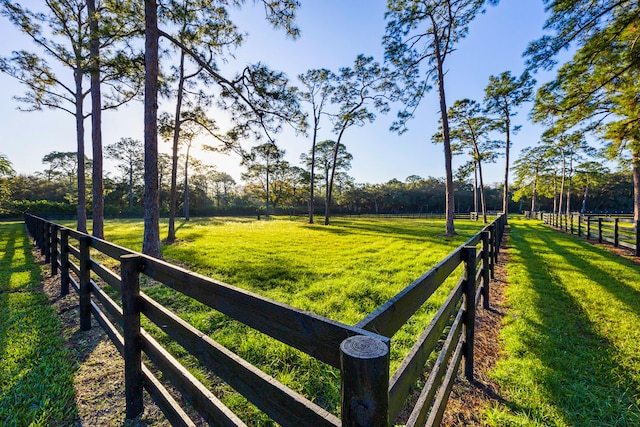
583,256
579,367
257,273
412,230
73,377
36,380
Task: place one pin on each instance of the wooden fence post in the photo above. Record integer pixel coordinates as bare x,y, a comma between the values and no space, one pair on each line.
37,236
64,261
485,269
588,227
579,225
54,249
616,231
41,235
34,231
85,283
599,230
469,316
570,218
492,244
130,274
45,242
364,367
499,226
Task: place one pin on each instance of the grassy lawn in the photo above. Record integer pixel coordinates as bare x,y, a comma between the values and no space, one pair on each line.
36,375
571,336
342,271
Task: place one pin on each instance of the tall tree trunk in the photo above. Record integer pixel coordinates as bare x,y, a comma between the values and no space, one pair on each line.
583,209
96,123
327,209
505,195
483,201
171,235
267,202
475,187
534,196
82,184
130,187
555,191
635,156
186,184
326,192
313,176
562,185
151,239
569,185
448,156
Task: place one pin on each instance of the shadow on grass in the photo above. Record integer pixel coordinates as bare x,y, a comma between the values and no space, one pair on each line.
259,274
585,261
410,229
36,382
579,375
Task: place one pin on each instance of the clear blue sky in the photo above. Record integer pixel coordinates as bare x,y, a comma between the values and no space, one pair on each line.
334,32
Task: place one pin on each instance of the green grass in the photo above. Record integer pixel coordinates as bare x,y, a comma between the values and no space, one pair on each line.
36,375
342,271
571,336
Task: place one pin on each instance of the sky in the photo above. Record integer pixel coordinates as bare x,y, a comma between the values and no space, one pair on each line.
333,33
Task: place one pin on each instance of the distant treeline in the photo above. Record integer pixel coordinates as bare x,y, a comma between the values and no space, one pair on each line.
41,195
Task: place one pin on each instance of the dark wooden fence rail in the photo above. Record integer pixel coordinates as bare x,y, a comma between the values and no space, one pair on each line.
620,231
370,396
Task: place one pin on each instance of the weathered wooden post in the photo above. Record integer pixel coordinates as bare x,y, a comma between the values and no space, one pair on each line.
54,249
85,283
599,230
41,235
570,227
37,229
364,364
133,379
64,261
588,227
469,316
46,233
34,230
485,269
616,231
579,225
494,250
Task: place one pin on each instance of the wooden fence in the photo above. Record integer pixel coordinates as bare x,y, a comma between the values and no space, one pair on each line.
370,395
620,231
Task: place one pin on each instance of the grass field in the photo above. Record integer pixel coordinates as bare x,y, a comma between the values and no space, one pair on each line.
571,338
572,335
342,271
36,373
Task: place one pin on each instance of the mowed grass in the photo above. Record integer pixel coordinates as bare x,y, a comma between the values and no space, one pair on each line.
342,271
571,336
36,374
